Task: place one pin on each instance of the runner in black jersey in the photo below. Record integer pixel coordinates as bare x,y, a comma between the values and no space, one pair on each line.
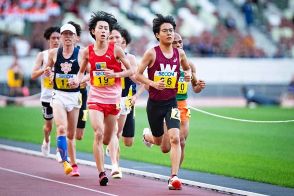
65,99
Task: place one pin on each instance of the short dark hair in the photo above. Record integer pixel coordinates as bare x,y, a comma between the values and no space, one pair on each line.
48,32
101,16
77,27
117,27
126,35
159,20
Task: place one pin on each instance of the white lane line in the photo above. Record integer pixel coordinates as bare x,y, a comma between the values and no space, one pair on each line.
139,173
55,181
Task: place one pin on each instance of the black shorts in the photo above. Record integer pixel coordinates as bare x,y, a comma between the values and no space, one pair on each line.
129,127
157,111
83,110
47,111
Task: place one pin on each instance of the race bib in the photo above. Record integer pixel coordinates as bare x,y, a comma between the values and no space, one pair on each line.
100,80
182,86
62,80
128,103
47,83
170,78
175,114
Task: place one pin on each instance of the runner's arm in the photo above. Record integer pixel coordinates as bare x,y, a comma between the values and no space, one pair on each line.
37,71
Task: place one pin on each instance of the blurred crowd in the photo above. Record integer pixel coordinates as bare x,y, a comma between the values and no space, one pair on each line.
206,33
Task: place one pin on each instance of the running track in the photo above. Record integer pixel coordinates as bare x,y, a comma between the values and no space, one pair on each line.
24,174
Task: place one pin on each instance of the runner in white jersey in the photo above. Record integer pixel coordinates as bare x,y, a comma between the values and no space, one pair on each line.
52,35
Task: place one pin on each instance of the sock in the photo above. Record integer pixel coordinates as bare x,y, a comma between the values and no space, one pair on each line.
62,147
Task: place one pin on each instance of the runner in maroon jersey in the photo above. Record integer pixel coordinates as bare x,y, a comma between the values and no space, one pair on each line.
163,65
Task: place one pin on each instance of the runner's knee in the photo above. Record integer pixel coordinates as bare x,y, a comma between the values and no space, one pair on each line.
98,136
183,142
70,135
128,142
165,149
61,130
174,140
79,134
47,128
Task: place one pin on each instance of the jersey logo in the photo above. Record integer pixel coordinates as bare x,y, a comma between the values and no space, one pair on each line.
72,60
167,68
175,60
107,56
66,67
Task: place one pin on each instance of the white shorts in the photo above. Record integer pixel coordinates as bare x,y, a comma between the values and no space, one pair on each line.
69,100
125,105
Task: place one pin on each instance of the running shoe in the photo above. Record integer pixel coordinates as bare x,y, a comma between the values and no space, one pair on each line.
45,148
75,170
67,167
58,157
147,131
174,183
116,173
103,180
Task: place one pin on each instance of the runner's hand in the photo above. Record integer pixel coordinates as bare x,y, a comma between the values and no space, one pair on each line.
159,85
73,83
109,73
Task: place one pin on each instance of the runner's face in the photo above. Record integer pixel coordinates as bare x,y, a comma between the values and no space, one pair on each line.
178,42
54,40
166,33
68,38
115,37
101,31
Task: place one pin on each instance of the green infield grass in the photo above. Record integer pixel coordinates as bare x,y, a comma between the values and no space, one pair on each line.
254,151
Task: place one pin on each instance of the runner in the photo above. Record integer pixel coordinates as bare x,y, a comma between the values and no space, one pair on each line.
52,35
105,87
65,100
163,65
121,37
182,95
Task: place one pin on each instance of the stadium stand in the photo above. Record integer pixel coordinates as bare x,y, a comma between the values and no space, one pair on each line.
205,25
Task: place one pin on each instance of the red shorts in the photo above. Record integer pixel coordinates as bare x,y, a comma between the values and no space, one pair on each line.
112,109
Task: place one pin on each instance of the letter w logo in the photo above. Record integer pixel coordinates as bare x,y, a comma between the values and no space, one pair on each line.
167,67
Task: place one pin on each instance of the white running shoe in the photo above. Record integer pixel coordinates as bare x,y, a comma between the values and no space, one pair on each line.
147,131
174,183
116,172
45,148
58,157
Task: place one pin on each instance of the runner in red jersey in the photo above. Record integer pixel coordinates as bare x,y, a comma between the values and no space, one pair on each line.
105,88
163,66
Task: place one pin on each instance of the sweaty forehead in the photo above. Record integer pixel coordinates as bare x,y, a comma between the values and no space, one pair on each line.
102,23
166,26
115,33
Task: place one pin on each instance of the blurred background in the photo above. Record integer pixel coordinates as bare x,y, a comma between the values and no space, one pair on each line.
243,49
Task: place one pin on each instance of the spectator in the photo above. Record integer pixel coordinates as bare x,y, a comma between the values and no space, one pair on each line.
247,9
15,79
230,22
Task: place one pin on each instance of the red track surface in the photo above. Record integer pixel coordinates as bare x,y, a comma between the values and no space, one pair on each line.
22,174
